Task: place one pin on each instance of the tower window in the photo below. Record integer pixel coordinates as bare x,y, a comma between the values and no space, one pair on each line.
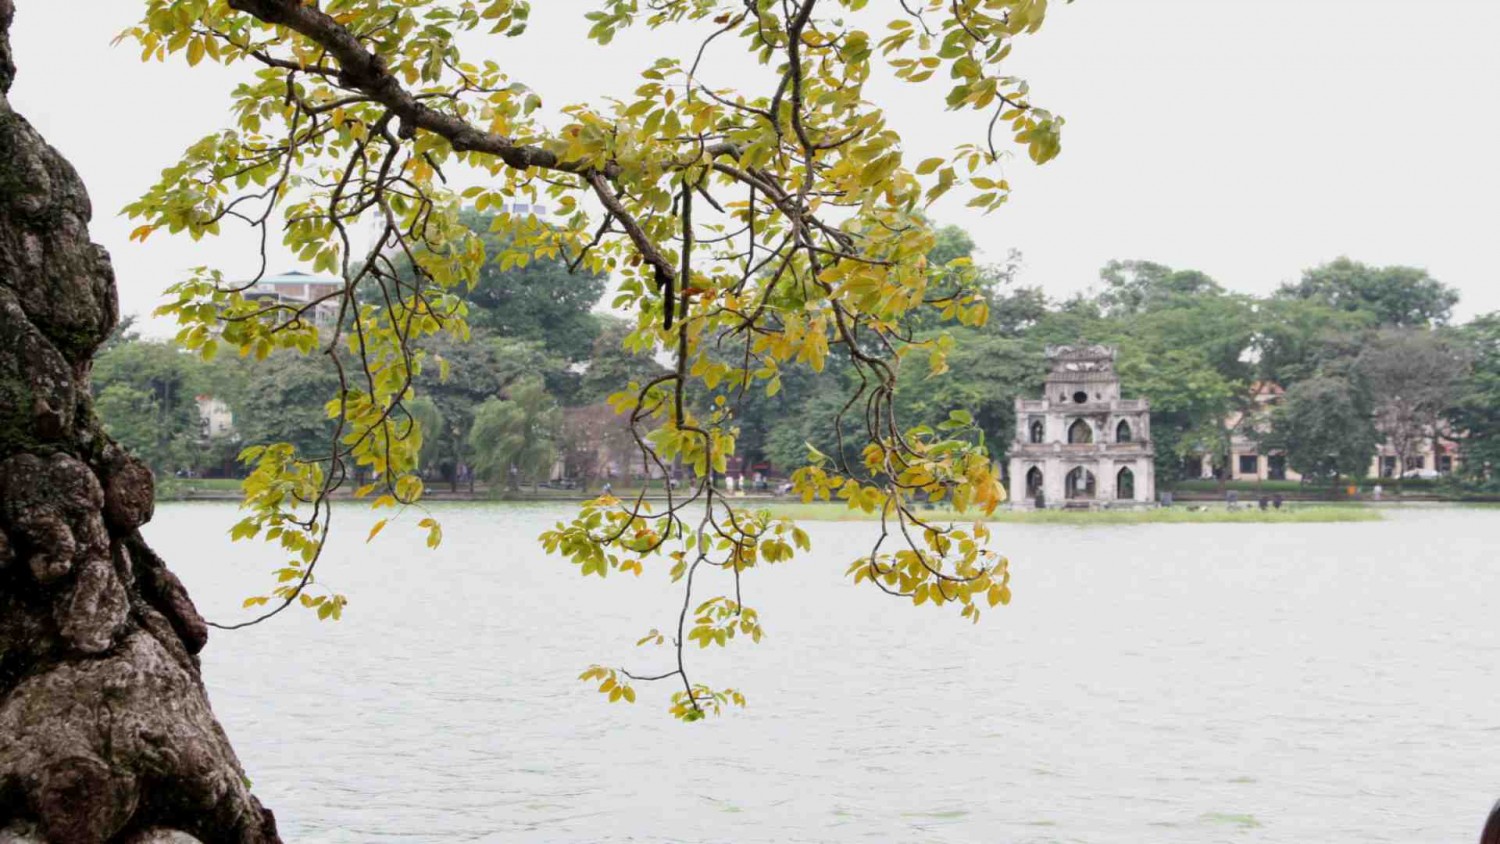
1080,432
1080,397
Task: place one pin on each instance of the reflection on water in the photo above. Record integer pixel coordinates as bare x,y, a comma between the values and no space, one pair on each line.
1289,683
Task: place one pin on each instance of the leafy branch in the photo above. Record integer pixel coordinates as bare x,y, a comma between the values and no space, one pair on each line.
785,224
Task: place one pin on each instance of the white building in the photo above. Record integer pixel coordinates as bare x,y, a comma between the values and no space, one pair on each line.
217,418
1248,461
298,288
1082,444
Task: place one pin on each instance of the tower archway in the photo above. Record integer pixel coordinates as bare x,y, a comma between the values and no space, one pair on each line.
1125,484
1123,434
1033,482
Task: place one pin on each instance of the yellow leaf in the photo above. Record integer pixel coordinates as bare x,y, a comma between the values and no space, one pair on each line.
379,526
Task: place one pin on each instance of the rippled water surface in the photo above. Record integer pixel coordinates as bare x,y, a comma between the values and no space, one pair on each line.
1174,683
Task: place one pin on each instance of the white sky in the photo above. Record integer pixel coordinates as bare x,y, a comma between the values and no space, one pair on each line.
1245,138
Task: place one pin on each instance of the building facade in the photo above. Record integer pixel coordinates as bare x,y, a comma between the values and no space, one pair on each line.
299,288
217,418
1248,461
1082,444
1434,455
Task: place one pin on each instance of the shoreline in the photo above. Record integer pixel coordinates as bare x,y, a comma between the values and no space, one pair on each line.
1294,512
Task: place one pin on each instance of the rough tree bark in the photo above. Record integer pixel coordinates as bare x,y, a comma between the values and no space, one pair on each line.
105,728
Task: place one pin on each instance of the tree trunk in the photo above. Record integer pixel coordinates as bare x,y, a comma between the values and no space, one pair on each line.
106,733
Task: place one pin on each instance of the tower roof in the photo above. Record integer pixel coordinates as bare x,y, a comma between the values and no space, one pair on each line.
1081,352
1091,363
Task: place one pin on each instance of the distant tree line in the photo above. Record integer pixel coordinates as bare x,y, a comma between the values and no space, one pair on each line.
1366,355
526,390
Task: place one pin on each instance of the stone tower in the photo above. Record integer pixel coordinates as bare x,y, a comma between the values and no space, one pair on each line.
1082,444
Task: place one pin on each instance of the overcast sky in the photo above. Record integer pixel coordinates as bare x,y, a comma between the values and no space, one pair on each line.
1248,139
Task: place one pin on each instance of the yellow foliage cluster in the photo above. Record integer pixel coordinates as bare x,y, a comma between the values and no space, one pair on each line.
749,230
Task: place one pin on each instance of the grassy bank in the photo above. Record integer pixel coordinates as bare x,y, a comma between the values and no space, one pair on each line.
1167,515
181,489
176,489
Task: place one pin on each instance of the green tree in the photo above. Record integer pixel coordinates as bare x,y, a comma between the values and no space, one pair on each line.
1410,377
481,369
1190,403
1396,297
959,277
1325,426
986,374
431,425
283,400
778,426
1475,411
612,365
146,394
1015,312
1076,319
1186,345
822,412
1299,338
123,333
515,439
951,244
803,406
1216,399
590,438
535,299
1135,287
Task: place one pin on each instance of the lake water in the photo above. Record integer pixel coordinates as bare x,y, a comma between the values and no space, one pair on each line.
1158,683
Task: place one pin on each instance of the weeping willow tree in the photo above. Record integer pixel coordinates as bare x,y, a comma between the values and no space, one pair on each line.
513,438
783,223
